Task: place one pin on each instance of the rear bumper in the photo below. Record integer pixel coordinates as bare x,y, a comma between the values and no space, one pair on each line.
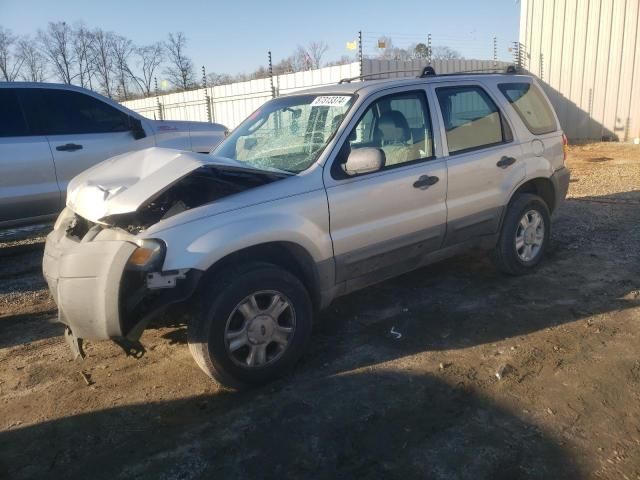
560,180
84,279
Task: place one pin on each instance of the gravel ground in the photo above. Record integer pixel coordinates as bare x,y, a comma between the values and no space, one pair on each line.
493,377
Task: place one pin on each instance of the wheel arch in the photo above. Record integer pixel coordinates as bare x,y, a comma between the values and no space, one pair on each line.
540,186
288,255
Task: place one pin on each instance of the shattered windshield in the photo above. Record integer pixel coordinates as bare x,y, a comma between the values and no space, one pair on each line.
287,133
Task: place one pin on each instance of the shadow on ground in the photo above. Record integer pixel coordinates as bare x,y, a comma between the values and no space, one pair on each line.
382,425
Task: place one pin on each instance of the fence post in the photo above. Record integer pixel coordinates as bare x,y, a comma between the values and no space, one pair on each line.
495,52
206,94
360,58
517,56
155,80
273,90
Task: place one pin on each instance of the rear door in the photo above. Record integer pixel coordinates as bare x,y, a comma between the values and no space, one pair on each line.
483,160
28,186
385,222
81,129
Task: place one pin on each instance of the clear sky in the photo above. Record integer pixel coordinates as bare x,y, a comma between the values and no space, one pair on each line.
234,36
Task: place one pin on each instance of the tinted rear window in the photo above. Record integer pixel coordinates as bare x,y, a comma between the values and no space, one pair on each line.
60,112
12,122
532,107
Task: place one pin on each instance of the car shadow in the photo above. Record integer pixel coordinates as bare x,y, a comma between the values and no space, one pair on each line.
361,425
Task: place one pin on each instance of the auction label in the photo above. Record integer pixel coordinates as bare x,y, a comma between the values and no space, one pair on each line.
331,101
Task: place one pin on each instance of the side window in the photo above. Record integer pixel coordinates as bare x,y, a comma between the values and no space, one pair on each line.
471,119
12,122
531,106
399,125
61,112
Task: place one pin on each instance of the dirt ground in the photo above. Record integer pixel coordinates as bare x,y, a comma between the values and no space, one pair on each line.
364,403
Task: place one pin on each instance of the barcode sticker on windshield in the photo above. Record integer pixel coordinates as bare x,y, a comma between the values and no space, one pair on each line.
331,101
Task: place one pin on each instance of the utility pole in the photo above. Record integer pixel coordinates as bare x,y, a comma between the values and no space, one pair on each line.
155,80
206,94
360,58
273,90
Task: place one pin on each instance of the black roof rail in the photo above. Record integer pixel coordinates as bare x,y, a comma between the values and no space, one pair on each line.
429,71
359,77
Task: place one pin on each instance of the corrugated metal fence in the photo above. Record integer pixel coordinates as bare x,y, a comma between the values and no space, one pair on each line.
587,54
230,104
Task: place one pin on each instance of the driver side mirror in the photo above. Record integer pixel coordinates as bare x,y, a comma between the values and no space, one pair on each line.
135,126
364,160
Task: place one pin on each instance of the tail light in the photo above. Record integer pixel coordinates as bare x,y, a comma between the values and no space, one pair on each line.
565,147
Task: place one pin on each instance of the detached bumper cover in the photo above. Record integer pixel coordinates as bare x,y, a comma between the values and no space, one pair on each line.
84,279
560,180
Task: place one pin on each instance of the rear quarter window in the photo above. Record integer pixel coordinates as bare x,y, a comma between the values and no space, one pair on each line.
531,106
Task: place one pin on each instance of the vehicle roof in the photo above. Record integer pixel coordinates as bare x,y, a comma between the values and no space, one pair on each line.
371,86
61,86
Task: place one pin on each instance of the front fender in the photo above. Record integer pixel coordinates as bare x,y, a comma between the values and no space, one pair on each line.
299,219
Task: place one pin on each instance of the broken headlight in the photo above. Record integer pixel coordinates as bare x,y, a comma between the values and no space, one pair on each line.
148,256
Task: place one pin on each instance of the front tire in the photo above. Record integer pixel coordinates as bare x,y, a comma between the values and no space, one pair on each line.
524,236
253,325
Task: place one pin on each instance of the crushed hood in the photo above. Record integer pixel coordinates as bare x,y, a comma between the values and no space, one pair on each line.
123,183
152,182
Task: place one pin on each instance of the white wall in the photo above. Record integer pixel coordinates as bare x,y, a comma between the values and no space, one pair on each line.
234,102
230,104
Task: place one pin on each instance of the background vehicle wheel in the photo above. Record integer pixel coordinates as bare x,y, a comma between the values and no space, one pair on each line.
252,326
524,236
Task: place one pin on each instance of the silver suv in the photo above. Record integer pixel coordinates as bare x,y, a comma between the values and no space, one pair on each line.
315,195
50,133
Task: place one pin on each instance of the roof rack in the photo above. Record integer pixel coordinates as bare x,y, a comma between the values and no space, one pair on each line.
360,77
429,71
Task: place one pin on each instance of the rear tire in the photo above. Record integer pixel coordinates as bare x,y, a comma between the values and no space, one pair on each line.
524,236
252,326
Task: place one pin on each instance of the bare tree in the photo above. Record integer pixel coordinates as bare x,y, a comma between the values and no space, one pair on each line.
34,62
343,60
316,51
102,59
441,52
122,49
149,57
82,48
10,63
301,59
57,43
180,68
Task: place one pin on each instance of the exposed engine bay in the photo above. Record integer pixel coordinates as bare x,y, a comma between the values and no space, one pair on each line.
200,187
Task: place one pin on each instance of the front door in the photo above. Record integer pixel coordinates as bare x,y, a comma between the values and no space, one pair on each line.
28,186
382,223
82,130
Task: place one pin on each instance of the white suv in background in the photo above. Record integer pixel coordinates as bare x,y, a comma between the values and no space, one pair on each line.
50,133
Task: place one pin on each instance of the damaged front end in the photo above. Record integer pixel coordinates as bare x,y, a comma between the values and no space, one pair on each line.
106,278
202,186
107,283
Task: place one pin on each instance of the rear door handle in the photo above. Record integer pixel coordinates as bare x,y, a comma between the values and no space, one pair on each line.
425,181
504,162
69,147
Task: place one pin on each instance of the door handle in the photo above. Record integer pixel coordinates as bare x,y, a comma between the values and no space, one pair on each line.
425,181
504,162
69,147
